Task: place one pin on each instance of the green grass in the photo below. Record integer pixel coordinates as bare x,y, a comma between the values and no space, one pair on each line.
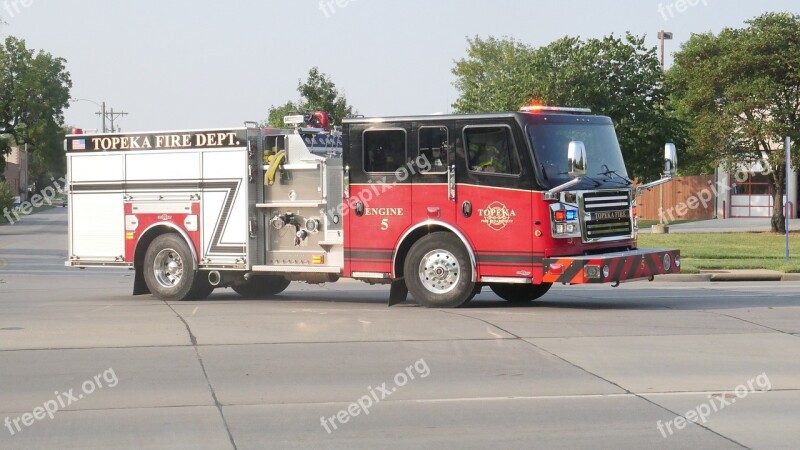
729,251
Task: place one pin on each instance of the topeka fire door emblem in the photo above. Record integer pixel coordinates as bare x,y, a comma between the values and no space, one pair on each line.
497,216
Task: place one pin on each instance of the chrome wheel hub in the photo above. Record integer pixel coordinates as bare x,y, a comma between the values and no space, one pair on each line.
168,268
439,271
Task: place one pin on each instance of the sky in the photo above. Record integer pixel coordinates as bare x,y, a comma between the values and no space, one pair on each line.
190,64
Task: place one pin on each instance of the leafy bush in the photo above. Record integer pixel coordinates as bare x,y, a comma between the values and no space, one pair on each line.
6,196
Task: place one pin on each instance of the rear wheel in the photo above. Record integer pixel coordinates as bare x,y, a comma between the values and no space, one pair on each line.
438,272
263,286
521,293
169,268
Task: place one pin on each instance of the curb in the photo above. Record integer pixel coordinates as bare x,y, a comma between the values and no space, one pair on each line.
685,278
732,276
747,276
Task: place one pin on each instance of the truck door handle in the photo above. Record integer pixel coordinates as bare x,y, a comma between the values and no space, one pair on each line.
466,208
359,208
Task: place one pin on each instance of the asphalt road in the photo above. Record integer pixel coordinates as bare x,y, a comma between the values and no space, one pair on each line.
585,368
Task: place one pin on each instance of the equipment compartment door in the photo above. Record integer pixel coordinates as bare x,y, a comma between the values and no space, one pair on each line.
224,207
96,213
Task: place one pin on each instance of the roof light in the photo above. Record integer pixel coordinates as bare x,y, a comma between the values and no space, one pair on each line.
540,108
294,120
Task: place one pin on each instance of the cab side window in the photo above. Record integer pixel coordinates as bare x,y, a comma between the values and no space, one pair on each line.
433,147
384,150
491,150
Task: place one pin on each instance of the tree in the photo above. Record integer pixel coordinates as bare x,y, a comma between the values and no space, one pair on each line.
739,93
318,93
48,161
34,91
617,77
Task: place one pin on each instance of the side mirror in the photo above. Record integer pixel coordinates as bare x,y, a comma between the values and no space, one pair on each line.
670,160
576,158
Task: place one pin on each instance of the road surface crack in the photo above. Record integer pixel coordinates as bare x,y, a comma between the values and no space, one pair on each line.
217,403
750,322
598,376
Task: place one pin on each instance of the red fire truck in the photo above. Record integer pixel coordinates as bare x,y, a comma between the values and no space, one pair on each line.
441,206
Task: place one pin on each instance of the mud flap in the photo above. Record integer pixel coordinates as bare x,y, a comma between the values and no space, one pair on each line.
139,285
399,292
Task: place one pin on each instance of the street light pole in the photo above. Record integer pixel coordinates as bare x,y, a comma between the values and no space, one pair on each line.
663,36
788,145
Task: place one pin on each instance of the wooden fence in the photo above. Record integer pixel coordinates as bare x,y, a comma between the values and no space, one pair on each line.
685,198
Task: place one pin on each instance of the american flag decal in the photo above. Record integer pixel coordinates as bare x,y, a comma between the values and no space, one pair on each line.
79,144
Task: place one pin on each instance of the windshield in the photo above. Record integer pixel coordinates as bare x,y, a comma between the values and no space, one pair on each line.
550,140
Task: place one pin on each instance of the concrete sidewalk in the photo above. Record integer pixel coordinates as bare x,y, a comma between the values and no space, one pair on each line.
726,226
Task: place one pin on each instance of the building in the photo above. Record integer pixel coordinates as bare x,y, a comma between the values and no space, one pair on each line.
16,171
747,193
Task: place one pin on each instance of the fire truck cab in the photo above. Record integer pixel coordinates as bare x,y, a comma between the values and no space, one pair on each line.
441,206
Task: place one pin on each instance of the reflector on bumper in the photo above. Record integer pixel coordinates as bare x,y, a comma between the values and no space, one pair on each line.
612,267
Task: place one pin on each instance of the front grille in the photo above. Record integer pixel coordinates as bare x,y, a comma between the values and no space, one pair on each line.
607,215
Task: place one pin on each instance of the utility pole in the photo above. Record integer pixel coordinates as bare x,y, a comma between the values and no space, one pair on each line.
104,114
110,116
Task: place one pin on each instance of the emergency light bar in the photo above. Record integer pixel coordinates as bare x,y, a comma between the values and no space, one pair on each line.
294,120
537,108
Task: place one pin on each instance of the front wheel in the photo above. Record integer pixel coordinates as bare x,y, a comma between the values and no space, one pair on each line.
263,286
521,293
438,272
169,268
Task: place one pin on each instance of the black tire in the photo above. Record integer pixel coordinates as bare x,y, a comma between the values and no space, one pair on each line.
169,268
263,286
201,288
521,293
438,272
